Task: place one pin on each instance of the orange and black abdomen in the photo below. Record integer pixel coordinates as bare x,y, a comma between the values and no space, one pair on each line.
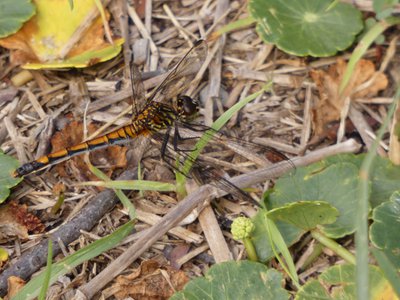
115,137
155,117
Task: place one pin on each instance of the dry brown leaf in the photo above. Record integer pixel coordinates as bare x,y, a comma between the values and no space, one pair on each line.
59,188
15,220
365,82
177,253
112,156
150,281
15,284
140,7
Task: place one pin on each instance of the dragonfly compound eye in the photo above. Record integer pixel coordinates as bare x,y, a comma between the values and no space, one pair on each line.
187,106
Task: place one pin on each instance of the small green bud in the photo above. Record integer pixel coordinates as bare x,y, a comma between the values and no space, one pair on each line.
241,228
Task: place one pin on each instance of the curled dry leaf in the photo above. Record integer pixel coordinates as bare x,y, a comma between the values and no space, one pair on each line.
112,157
149,281
15,220
15,284
177,253
365,82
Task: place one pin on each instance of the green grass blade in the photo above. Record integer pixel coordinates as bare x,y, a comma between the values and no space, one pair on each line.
121,196
47,272
133,185
239,24
277,240
32,288
361,237
363,46
217,125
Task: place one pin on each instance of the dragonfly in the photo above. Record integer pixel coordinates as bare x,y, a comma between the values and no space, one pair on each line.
163,110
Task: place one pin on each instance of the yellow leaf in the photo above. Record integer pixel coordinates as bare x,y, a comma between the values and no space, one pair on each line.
83,60
59,37
3,255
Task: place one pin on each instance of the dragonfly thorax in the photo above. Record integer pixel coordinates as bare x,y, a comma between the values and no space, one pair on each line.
187,107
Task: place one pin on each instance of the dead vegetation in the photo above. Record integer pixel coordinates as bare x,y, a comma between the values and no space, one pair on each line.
60,108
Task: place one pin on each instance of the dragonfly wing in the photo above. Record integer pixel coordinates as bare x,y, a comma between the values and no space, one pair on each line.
242,147
181,73
138,91
199,171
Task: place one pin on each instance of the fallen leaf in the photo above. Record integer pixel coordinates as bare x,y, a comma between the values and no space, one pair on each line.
177,252
65,43
59,188
3,256
140,7
365,82
15,220
149,281
15,284
113,156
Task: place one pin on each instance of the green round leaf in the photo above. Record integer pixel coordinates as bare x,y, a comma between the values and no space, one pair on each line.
385,233
305,214
13,13
384,8
307,27
7,181
336,184
235,280
337,282
385,176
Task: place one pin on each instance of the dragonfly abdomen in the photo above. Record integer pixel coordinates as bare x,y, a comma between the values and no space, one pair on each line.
118,136
153,118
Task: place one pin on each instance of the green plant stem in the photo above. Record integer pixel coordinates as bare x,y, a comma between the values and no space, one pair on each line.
239,24
363,208
180,185
318,247
251,251
58,204
335,247
121,196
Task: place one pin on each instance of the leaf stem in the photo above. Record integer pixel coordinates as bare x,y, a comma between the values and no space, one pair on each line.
239,24
335,247
250,249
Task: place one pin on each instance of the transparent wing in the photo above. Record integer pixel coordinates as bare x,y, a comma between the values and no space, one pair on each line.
181,73
242,147
210,174
138,91
205,174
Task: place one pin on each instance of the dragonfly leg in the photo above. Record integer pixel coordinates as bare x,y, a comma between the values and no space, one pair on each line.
178,138
165,143
167,159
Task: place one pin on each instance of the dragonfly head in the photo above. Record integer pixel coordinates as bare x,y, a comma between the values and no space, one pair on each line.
187,107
